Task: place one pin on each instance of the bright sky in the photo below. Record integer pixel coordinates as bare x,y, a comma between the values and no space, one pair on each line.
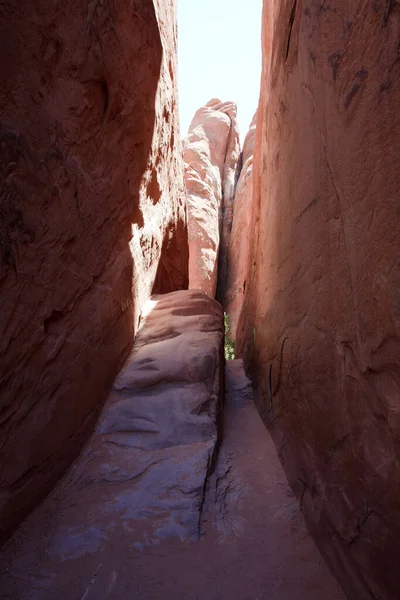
219,56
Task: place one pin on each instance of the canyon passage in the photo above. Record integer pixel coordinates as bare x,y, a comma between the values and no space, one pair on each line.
136,460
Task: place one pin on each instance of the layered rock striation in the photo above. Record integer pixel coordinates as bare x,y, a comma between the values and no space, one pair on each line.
92,219
211,155
320,326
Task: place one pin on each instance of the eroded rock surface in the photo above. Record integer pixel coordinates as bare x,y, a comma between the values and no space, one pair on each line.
253,541
141,477
92,218
211,154
320,328
240,235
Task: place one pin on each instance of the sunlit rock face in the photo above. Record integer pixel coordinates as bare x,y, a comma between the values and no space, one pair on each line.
320,325
211,154
240,235
92,218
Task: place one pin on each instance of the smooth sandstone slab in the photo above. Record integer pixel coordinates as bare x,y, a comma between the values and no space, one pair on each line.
141,477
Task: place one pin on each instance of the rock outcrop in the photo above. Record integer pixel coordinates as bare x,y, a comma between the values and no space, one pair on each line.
320,325
240,235
141,478
91,219
211,154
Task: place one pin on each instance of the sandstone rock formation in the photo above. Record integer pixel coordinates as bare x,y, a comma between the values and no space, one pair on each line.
142,515
211,154
91,218
240,235
320,326
142,475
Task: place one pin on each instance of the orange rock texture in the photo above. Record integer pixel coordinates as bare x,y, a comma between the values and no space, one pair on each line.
240,235
320,327
211,156
92,218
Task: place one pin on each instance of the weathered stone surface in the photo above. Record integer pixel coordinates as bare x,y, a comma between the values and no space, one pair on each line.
141,477
252,529
322,304
240,235
211,154
91,217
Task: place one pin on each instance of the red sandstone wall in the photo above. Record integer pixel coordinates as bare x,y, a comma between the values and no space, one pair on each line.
241,234
89,221
320,328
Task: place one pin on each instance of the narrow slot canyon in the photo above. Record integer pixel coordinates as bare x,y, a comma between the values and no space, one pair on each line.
199,374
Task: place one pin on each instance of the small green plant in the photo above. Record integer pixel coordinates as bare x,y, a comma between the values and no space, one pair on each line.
229,343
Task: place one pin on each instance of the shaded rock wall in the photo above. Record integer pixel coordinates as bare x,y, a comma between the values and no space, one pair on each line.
211,154
91,216
320,328
241,234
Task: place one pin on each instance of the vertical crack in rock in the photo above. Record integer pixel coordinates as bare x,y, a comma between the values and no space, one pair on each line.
204,489
291,22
